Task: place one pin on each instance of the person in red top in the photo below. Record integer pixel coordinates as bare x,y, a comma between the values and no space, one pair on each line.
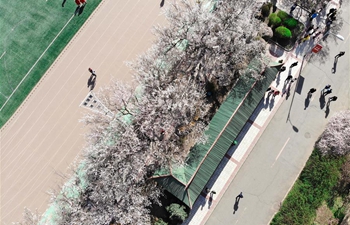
80,7
80,3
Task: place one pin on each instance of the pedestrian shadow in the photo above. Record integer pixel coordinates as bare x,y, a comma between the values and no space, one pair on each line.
287,91
64,1
322,101
267,100
204,203
278,78
334,69
327,111
272,103
79,10
284,88
290,71
91,82
235,206
162,3
307,101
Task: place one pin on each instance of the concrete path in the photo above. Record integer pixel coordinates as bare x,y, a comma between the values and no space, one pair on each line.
276,143
45,135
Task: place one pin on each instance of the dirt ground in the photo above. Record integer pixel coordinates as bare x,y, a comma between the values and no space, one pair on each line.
45,136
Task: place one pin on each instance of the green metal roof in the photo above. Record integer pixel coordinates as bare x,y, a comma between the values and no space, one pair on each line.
187,182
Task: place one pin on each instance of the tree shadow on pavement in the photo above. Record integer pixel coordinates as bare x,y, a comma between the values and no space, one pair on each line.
328,38
301,48
275,50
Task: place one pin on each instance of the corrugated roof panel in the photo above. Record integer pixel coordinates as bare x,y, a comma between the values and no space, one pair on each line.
204,167
175,188
239,119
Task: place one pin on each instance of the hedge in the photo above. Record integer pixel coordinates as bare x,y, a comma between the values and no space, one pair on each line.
291,23
274,20
283,15
283,32
265,10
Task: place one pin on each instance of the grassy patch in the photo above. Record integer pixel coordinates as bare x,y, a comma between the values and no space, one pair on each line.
28,28
316,184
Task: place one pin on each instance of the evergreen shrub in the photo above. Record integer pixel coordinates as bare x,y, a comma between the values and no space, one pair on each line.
291,23
283,15
265,10
283,32
274,20
177,212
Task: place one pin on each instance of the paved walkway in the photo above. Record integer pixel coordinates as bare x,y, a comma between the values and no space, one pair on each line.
272,150
45,136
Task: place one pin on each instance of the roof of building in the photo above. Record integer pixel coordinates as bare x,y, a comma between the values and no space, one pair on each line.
186,182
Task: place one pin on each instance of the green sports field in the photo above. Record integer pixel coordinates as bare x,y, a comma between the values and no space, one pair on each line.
33,33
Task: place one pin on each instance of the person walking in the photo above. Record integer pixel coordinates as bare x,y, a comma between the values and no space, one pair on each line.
288,78
328,86
276,93
340,54
294,64
92,72
293,7
310,28
315,35
311,32
207,190
328,91
328,23
312,90
80,3
80,7
332,13
332,99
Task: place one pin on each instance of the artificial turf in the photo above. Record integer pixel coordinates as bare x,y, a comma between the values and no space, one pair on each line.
27,29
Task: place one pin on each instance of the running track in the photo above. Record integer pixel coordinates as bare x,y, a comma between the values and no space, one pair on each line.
45,136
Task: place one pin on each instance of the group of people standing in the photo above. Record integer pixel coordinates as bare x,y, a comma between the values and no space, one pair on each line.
311,31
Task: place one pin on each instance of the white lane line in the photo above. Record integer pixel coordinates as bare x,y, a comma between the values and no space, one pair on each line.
50,131
36,63
280,152
2,54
